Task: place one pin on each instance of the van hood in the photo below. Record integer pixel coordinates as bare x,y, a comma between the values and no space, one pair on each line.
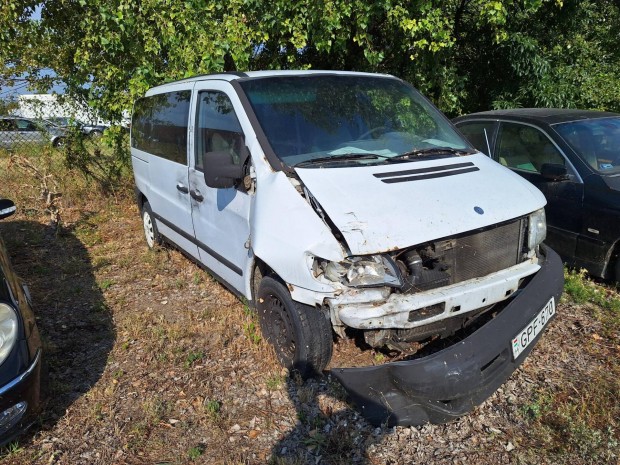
388,207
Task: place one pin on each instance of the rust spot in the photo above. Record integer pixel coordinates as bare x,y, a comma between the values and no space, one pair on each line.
290,287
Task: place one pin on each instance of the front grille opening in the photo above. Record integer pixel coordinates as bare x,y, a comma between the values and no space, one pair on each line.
456,308
425,313
460,258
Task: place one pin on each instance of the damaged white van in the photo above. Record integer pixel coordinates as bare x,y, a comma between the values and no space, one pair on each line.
345,205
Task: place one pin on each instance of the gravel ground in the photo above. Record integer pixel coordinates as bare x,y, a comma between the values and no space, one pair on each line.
152,362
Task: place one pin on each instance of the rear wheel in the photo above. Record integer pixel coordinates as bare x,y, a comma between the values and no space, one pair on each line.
151,233
300,334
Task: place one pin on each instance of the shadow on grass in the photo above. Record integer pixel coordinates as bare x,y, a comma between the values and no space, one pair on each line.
75,324
323,436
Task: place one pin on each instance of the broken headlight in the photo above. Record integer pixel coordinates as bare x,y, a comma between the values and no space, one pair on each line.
369,271
537,228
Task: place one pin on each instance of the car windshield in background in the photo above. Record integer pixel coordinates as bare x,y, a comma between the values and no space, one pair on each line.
596,141
354,119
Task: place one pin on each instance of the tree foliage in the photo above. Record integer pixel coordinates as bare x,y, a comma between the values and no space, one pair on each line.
465,55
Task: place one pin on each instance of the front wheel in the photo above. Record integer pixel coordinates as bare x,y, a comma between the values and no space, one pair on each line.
300,334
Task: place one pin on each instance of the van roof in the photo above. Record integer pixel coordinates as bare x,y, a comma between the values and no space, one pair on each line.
233,75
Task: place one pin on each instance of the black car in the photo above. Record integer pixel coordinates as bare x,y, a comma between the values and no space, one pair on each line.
573,157
20,349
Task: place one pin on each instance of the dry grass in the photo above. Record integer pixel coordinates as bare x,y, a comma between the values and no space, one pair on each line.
151,361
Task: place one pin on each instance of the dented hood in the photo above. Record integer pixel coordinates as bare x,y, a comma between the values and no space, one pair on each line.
386,207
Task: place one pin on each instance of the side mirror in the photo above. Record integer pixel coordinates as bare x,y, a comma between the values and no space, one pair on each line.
554,172
220,171
7,208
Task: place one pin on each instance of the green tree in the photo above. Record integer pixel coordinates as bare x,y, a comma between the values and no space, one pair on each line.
464,54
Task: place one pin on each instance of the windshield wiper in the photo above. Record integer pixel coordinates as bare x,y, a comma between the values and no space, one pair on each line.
343,157
430,151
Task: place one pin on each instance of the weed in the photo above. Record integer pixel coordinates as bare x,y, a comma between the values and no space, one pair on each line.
193,357
156,409
274,382
10,450
379,358
98,411
194,452
197,278
106,284
579,420
212,408
252,332
315,440
582,290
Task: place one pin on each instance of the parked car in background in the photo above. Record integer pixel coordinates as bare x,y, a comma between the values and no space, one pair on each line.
573,157
17,131
93,130
20,349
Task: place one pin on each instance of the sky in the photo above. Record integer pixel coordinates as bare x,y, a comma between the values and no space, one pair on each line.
21,85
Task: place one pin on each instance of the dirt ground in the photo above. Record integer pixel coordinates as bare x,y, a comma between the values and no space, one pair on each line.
151,361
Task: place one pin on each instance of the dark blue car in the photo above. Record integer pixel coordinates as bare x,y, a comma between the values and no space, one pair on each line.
573,157
20,349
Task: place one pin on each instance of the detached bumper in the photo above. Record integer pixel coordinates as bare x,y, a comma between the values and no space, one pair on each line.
449,383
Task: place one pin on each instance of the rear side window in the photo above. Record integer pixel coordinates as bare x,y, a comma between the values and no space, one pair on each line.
159,125
480,134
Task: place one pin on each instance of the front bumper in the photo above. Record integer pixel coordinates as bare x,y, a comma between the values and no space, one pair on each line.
449,383
26,388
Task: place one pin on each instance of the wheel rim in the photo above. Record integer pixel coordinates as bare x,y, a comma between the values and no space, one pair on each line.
149,232
280,328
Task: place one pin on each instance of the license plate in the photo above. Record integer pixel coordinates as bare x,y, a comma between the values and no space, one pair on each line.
533,329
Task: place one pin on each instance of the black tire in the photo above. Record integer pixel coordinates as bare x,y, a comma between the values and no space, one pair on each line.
95,134
300,334
151,233
59,143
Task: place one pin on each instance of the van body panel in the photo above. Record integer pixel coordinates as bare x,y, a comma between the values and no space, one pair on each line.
412,208
287,234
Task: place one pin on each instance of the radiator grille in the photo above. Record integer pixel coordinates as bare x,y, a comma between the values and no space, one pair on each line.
485,252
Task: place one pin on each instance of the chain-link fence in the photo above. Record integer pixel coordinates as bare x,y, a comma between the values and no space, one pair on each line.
28,136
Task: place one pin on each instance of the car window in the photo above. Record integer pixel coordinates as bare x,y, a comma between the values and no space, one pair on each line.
25,125
526,148
159,125
595,141
314,116
479,133
217,127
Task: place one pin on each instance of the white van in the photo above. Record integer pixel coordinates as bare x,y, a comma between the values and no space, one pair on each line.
346,205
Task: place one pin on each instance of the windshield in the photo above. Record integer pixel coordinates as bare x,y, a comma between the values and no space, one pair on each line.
595,141
361,119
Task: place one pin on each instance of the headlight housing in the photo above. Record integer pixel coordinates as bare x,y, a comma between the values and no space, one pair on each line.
8,330
369,271
537,229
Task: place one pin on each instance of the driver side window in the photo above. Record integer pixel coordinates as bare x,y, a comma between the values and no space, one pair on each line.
217,128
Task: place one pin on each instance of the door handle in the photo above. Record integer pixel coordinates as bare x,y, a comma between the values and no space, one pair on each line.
196,195
182,188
